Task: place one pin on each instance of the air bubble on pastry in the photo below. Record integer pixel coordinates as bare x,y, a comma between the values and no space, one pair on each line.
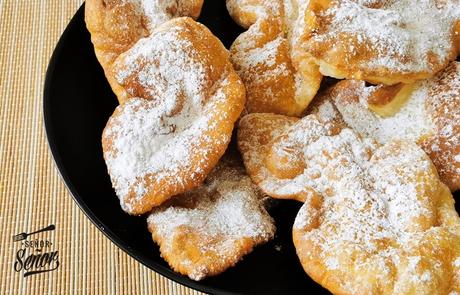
208,230
429,116
116,26
277,78
381,41
187,97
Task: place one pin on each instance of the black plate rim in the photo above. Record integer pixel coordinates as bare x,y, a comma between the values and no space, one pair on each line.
164,271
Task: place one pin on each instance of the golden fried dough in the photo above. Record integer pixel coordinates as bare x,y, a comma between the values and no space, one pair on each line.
381,41
116,25
269,145
204,232
376,218
187,97
388,227
277,79
428,113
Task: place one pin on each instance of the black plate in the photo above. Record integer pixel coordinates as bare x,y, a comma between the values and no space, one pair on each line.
77,104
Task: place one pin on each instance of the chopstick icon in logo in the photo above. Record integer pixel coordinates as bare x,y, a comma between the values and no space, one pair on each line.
23,236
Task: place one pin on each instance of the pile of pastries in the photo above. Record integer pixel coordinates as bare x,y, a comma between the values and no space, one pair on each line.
374,157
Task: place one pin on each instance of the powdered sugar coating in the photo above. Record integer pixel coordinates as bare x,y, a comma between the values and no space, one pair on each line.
443,105
376,219
164,63
148,142
157,12
410,122
255,132
168,137
263,56
385,41
224,218
117,25
430,117
268,142
389,226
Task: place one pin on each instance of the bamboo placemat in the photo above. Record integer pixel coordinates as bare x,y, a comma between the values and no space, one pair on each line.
32,193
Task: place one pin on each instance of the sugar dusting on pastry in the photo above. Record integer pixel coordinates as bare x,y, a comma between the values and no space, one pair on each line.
165,64
430,117
403,32
158,134
255,140
443,105
205,231
375,218
386,41
117,25
394,218
165,139
148,141
277,81
157,11
410,122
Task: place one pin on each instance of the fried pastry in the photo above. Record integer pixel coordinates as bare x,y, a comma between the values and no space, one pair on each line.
269,145
388,227
116,25
427,112
204,232
381,41
186,98
376,218
278,79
